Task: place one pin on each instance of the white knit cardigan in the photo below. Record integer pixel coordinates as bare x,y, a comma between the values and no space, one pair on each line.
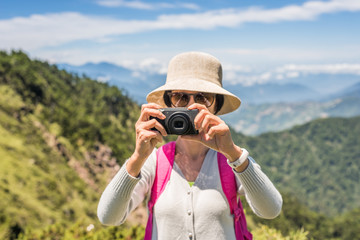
184,212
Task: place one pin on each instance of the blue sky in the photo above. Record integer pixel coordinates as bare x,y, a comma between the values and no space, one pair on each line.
257,41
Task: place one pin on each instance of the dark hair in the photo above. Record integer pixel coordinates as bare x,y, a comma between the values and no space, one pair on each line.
166,98
219,101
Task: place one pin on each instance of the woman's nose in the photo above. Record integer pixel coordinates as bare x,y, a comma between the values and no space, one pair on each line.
191,100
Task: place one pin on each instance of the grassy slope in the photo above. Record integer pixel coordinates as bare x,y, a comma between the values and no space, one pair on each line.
37,186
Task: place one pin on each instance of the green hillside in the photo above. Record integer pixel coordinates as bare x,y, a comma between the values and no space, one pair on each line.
318,162
37,187
85,110
62,137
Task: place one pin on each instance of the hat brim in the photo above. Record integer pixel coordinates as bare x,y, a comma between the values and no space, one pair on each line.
231,102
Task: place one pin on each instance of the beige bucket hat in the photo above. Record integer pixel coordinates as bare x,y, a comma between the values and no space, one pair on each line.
195,71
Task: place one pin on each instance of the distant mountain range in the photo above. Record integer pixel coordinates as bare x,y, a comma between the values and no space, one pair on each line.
273,93
265,107
254,119
137,84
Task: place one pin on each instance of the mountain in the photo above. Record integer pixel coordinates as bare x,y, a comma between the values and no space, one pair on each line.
325,84
308,87
139,83
62,137
318,162
266,107
103,71
136,84
255,119
351,92
273,93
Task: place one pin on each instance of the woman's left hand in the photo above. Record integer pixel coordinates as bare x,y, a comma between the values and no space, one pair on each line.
213,133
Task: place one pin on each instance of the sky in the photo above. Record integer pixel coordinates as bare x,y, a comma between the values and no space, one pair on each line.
256,41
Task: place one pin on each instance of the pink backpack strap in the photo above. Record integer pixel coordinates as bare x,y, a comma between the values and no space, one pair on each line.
228,183
164,163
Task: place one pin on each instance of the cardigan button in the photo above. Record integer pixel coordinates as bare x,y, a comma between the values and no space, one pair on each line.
189,212
190,235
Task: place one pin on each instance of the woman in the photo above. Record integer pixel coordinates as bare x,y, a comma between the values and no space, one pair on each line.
193,204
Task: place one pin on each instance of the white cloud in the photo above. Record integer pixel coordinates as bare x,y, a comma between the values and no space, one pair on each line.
103,79
289,71
292,74
236,68
55,29
294,54
342,68
249,79
147,66
153,65
233,73
144,5
129,4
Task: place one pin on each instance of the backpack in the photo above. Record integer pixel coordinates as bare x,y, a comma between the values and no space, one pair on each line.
164,163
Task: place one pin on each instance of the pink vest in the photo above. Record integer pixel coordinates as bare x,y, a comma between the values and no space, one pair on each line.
164,163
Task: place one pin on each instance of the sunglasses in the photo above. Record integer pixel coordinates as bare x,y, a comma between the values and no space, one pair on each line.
181,99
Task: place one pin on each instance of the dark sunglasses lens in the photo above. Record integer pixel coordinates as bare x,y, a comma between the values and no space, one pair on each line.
205,99
199,98
179,99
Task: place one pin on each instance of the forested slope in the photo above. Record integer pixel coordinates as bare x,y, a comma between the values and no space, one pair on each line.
61,138
318,162
86,111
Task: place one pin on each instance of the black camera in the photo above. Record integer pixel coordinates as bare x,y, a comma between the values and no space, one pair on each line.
178,121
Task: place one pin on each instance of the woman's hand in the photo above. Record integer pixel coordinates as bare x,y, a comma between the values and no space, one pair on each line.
213,133
146,139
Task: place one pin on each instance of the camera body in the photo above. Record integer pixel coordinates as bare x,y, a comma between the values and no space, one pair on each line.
178,121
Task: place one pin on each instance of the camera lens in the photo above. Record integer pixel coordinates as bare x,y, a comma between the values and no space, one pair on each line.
179,123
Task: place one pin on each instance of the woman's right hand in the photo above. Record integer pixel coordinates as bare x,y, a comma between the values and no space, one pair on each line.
146,139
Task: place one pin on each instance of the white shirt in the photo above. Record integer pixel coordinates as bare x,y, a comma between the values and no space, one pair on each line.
184,212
